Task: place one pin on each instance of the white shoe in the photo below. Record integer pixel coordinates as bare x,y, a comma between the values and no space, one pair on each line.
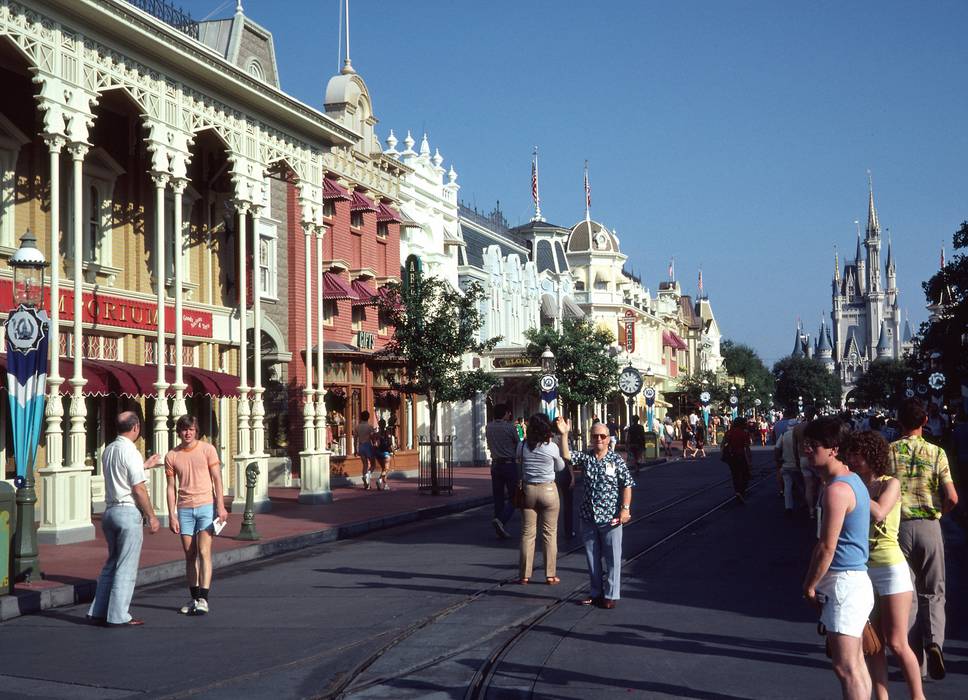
188,608
366,481
382,484
201,607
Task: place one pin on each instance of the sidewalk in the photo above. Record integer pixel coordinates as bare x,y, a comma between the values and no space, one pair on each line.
71,570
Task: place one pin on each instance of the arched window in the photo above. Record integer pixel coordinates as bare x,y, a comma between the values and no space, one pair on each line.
255,70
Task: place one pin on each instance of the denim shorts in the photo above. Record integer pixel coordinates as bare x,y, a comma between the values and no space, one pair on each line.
194,520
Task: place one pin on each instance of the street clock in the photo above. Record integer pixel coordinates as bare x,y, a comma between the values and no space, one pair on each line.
630,381
548,383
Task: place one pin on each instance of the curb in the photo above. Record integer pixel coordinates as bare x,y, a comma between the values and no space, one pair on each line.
27,602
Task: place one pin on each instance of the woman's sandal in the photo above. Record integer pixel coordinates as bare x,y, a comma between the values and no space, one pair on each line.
522,581
589,601
553,580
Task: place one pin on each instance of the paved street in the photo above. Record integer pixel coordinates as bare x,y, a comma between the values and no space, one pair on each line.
712,613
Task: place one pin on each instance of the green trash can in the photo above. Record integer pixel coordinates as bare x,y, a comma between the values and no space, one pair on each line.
651,448
8,523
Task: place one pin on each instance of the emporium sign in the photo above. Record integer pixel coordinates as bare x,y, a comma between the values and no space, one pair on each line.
101,310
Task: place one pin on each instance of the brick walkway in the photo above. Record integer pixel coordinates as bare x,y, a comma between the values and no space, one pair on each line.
70,570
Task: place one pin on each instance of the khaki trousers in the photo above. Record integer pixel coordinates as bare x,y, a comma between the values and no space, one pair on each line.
540,501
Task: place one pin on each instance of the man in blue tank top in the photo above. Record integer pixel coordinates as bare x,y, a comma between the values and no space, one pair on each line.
837,580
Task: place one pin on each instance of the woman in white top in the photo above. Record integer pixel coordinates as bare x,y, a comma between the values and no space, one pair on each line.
540,458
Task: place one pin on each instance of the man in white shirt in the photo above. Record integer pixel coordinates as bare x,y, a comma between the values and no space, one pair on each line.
126,498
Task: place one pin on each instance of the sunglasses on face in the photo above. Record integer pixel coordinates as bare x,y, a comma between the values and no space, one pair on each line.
599,436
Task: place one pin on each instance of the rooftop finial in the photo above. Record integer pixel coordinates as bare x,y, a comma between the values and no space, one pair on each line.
391,144
238,7
425,146
408,143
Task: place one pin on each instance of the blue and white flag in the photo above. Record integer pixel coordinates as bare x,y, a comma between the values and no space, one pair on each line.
27,340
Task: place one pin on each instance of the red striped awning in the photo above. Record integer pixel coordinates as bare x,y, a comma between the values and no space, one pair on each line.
210,383
385,214
392,299
365,295
332,190
672,340
334,287
360,202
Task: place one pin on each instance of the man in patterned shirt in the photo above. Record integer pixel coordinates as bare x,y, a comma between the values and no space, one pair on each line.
605,508
927,493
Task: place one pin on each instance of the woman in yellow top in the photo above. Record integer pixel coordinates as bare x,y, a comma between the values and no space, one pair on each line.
867,456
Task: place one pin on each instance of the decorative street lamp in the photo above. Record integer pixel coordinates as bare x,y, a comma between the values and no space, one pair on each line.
648,380
27,355
548,384
733,403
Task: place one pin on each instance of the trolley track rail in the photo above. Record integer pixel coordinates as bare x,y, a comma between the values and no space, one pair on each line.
347,684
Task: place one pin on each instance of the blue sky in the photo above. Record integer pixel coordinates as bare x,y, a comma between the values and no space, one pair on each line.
732,135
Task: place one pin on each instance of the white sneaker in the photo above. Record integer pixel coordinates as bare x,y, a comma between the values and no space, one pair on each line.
188,609
201,607
382,484
366,481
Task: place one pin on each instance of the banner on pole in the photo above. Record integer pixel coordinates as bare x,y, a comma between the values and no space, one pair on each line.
27,346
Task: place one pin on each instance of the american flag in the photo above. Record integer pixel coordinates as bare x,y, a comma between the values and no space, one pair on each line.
588,189
942,257
534,181
700,281
672,269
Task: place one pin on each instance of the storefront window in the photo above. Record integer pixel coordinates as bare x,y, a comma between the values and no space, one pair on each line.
356,372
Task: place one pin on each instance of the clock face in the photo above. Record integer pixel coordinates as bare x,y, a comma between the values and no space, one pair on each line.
629,381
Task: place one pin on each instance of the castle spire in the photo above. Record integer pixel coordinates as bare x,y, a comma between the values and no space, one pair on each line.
836,264
890,254
857,258
873,228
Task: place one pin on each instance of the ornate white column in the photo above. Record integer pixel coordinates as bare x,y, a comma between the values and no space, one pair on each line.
308,467
178,407
160,428
314,486
78,411
65,515
258,414
54,411
244,449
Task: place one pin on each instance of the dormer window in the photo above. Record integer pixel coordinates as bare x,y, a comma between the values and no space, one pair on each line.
356,219
383,229
329,209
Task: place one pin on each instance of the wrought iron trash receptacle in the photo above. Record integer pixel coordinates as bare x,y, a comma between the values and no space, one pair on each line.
444,452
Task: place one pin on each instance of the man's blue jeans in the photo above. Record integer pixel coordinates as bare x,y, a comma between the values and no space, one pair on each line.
123,531
603,541
504,481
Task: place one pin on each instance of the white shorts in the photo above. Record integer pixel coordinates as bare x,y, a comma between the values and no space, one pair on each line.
848,599
890,580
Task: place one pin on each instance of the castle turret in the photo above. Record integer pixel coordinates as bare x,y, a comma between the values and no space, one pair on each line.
860,264
884,347
825,350
873,243
798,344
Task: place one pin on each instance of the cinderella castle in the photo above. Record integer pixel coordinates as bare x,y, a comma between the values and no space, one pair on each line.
866,320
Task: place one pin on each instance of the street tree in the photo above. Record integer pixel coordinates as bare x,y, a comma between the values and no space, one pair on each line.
882,384
693,385
741,361
585,368
942,342
805,377
435,328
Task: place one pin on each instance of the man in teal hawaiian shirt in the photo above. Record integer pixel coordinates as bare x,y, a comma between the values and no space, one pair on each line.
605,508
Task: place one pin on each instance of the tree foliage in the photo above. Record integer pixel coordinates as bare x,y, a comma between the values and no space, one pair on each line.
882,384
435,327
805,377
742,361
945,334
586,371
693,385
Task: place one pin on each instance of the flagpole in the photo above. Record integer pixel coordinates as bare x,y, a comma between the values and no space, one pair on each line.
588,197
